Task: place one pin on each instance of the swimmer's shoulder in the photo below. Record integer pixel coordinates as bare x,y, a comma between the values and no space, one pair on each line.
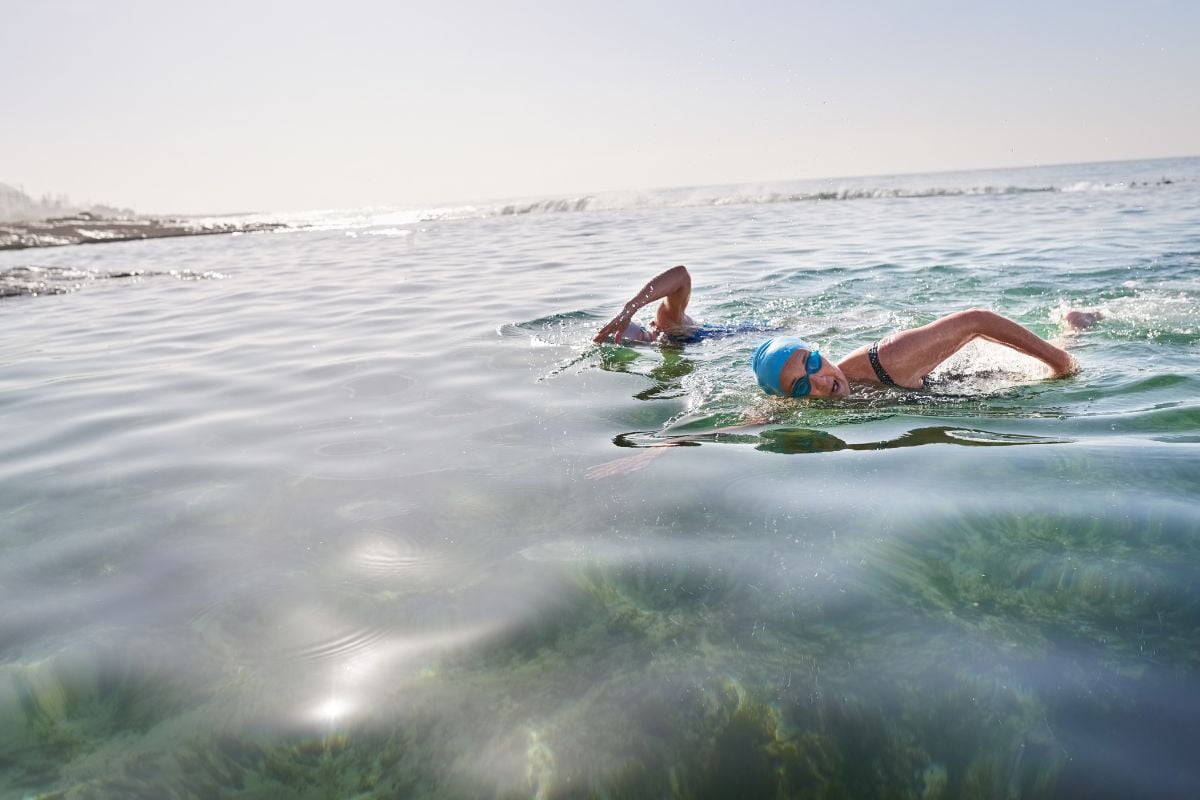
857,366
682,332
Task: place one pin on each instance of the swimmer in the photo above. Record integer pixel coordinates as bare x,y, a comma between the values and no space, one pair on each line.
674,288
790,367
793,368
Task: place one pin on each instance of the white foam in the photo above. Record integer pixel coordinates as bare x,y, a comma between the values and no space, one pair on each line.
1095,186
983,366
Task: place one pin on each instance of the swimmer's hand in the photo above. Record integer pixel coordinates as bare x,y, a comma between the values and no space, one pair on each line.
1074,320
1070,369
616,326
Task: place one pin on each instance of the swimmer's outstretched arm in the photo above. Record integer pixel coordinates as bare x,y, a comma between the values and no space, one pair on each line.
911,355
673,287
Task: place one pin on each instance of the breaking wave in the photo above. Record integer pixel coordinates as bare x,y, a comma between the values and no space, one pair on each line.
665,199
855,189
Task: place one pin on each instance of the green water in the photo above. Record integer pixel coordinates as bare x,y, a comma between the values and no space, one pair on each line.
368,516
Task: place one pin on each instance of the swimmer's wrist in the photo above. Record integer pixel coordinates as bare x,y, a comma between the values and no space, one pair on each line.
1070,368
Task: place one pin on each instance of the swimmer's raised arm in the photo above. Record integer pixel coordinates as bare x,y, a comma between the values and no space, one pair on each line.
673,287
910,355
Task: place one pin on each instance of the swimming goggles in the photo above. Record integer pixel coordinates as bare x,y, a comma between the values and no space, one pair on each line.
803,385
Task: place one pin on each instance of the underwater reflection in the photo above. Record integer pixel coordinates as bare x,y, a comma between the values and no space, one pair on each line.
667,376
793,441
807,440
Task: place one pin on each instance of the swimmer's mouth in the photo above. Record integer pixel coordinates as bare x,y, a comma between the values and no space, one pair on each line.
837,386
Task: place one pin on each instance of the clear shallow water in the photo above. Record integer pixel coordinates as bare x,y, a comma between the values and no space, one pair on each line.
358,511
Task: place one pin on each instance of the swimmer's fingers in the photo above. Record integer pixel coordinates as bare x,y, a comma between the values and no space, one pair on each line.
603,334
615,327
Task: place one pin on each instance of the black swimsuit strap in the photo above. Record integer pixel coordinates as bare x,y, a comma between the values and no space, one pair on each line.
880,372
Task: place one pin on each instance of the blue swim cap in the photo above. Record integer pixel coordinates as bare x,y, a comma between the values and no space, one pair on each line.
767,361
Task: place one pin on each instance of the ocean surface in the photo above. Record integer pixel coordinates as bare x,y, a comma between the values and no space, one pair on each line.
357,510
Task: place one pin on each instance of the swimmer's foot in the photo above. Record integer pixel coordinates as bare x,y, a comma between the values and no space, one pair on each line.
1078,320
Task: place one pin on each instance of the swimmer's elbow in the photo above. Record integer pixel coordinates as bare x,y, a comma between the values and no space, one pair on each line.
979,316
971,322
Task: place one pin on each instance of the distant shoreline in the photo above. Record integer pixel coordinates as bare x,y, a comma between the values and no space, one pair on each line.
88,228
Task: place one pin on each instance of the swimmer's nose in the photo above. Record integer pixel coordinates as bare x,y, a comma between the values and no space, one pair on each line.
842,389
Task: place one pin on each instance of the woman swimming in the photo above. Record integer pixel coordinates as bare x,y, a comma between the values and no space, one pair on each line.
791,367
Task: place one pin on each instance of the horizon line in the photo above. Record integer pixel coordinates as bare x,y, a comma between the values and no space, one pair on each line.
600,193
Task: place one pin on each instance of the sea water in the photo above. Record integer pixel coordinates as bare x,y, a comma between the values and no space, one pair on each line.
357,510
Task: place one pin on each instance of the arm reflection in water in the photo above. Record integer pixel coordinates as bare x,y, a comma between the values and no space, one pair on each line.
794,441
802,440
667,376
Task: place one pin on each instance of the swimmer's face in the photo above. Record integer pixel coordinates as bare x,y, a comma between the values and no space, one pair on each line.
828,381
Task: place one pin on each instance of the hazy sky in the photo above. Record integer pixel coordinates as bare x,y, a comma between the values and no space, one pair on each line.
172,106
